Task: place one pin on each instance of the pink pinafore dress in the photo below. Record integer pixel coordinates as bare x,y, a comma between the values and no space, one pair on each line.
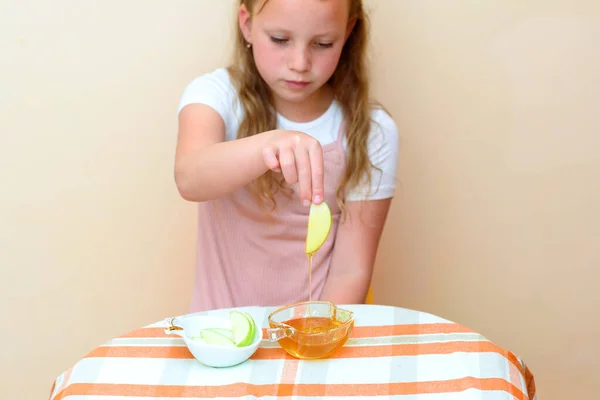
249,257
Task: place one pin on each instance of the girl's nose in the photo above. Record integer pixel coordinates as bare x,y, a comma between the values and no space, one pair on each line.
300,59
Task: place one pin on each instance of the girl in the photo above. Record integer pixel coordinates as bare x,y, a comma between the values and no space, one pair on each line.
288,123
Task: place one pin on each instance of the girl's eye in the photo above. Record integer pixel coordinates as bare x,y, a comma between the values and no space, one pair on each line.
278,40
325,45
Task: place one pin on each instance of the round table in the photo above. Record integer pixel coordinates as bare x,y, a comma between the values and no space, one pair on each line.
392,352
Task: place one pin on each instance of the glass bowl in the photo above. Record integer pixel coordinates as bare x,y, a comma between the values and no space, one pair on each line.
310,329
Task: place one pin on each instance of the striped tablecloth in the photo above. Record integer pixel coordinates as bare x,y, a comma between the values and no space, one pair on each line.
392,352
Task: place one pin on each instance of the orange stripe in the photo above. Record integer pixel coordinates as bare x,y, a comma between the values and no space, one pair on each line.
530,380
515,376
288,378
65,380
411,329
276,353
147,333
514,360
244,389
140,352
358,331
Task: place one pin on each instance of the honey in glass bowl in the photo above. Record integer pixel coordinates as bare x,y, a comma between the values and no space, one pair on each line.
311,329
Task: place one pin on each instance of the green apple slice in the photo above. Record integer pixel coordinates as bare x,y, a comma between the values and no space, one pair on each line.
228,333
253,325
213,337
319,227
242,329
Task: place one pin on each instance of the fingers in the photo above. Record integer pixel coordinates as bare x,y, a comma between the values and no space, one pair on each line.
287,163
304,171
300,159
315,155
270,158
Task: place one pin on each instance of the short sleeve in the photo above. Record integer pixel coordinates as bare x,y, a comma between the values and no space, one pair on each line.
213,89
383,154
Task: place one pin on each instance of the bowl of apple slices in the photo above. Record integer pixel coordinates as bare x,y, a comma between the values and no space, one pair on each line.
218,340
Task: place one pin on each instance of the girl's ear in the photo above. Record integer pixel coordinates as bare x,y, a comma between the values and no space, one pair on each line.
245,23
350,27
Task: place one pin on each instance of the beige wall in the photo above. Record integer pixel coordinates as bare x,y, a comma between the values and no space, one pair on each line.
496,223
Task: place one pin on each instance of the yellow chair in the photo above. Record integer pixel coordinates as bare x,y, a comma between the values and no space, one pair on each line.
369,299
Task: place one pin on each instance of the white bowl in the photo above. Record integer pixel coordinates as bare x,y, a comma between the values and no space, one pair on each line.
211,354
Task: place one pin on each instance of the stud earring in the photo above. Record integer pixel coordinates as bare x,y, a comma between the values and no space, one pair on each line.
248,45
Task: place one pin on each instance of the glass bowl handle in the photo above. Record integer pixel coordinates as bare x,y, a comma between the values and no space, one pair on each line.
275,334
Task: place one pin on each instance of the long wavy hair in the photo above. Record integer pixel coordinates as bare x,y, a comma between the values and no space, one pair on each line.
350,83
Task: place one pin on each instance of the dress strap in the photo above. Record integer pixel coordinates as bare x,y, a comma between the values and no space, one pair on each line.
342,132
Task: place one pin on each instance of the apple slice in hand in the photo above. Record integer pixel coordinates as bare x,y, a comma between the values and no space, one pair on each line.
319,227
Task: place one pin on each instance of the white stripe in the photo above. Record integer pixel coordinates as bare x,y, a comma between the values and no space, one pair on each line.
369,315
422,368
135,371
431,367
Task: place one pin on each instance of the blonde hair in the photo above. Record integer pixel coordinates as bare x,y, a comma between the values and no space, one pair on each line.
351,87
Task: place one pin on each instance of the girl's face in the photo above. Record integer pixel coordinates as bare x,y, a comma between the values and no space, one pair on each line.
296,43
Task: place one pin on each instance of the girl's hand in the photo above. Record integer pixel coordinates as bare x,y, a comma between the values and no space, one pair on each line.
299,157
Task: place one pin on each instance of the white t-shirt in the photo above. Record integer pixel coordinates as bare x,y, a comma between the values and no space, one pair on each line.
215,90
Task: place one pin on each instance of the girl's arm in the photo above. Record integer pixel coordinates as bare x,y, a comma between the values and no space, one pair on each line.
207,166
354,251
